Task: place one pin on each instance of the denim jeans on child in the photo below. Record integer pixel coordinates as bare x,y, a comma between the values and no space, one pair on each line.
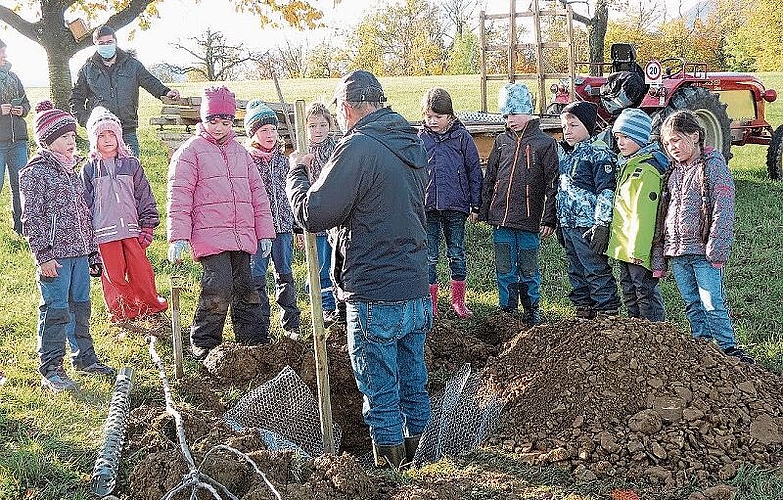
282,255
14,156
386,347
452,224
131,140
641,293
516,264
226,282
592,283
65,299
701,287
324,250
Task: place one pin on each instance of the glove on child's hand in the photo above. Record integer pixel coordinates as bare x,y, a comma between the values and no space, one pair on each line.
96,270
597,238
265,247
145,237
177,250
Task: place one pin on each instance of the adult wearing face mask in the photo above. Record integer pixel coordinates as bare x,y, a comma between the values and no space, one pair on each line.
111,78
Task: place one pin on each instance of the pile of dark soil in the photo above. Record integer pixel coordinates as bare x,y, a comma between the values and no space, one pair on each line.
619,397
610,398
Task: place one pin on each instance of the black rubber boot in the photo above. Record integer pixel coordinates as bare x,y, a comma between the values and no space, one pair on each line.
388,456
532,315
411,445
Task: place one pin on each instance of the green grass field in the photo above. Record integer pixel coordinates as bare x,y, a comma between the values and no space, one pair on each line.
48,443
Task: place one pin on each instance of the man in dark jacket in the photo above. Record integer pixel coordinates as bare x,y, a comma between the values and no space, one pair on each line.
14,106
111,78
372,192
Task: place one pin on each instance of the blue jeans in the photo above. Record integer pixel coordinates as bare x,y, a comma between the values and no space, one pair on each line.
516,265
641,293
324,250
14,156
452,224
386,347
592,283
285,295
132,141
64,307
701,287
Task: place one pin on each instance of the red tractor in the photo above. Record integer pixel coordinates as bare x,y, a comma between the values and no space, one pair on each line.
730,105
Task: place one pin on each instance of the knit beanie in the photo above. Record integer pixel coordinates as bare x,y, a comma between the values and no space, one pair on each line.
634,124
51,123
102,119
218,101
586,112
515,99
258,114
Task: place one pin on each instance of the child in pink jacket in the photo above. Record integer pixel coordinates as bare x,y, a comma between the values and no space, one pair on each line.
217,205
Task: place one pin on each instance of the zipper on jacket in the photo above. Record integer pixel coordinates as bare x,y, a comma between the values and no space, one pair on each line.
511,179
527,180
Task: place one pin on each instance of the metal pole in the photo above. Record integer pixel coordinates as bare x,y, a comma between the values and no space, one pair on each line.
316,309
176,330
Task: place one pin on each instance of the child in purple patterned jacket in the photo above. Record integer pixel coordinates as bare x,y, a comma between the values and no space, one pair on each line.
697,213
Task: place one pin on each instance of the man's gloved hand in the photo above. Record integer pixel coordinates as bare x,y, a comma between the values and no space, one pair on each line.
145,237
265,247
96,270
177,250
597,238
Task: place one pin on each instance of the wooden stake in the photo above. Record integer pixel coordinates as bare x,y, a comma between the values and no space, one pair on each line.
316,308
176,331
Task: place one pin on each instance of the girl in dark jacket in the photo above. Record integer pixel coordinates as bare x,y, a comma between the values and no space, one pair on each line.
453,192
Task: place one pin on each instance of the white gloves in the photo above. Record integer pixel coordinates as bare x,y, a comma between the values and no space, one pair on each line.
265,247
177,249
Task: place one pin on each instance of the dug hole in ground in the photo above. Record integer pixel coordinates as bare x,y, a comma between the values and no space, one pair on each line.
605,399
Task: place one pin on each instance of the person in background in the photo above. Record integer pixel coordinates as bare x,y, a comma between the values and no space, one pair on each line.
585,197
58,228
321,146
518,201
14,107
697,219
372,192
111,78
641,164
124,215
265,148
218,207
453,192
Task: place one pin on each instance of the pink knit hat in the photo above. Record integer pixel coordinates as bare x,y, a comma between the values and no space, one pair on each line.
218,101
51,123
102,119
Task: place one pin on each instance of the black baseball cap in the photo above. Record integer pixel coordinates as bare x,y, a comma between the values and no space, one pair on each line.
359,86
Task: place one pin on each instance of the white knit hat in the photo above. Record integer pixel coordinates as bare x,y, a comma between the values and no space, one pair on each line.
102,119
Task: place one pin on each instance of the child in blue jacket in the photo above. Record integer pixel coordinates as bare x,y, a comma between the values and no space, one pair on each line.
641,165
584,210
453,192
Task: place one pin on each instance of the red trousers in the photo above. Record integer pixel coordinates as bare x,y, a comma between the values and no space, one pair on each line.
128,281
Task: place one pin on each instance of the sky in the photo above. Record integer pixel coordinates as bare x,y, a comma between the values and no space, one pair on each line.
153,45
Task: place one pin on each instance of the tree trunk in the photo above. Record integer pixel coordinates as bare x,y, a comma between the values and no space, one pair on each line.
597,36
59,77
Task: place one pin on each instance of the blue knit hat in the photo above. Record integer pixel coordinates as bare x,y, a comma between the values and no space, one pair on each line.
258,114
515,99
634,124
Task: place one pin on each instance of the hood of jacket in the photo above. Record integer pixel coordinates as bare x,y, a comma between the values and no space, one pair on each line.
656,157
453,131
395,133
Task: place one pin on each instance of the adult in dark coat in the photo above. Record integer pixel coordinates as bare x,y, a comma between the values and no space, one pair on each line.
372,191
111,78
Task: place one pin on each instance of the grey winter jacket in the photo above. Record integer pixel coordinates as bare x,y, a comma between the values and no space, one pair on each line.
114,87
55,217
12,128
121,200
372,191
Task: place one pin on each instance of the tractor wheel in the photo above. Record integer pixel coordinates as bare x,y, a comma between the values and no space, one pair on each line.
775,155
711,113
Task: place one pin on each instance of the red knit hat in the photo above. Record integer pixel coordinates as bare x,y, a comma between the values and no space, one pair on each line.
218,101
51,123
